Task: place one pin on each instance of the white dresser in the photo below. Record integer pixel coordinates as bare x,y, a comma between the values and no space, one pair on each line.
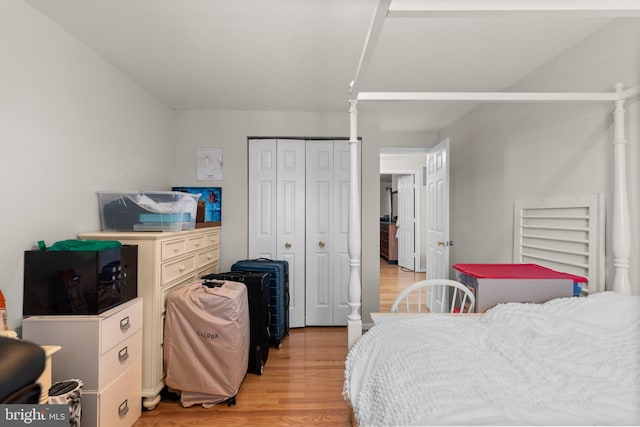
104,351
166,261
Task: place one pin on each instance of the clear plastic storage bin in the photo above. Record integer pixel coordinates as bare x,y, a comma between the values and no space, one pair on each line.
148,211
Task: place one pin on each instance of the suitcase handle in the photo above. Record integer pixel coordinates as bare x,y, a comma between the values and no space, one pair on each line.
234,276
212,283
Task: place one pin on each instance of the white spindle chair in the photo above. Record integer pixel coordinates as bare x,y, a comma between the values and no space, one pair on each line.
461,299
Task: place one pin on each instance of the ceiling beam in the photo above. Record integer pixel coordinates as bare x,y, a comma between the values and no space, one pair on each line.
489,96
375,27
495,8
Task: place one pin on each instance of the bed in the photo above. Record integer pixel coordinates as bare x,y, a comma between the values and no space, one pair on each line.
566,362
532,352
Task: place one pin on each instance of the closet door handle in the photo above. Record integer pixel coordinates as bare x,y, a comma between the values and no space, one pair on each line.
288,245
321,244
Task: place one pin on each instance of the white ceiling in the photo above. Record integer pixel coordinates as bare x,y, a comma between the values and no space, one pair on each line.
302,54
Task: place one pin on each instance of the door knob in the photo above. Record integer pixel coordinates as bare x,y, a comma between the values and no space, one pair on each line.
287,245
321,244
447,243
441,243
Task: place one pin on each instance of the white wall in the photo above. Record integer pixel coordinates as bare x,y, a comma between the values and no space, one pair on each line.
504,152
230,130
70,124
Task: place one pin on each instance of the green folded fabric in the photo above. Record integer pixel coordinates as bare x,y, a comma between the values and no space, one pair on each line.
84,245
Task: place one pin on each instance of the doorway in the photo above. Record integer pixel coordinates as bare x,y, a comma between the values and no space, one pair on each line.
407,167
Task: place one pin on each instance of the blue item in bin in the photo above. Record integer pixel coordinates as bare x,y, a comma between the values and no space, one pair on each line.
165,217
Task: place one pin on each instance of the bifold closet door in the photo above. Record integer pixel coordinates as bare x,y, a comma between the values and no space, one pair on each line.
327,208
277,212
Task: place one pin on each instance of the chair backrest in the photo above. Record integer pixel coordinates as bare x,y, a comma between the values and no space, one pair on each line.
417,298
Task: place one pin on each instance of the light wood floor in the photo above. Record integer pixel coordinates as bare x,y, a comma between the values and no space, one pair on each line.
301,384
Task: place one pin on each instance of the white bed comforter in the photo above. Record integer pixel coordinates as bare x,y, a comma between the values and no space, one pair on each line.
573,361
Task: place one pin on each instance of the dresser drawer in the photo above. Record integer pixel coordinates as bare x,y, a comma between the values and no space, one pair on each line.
120,358
211,240
176,269
210,269
205,258
165,292
120,326
195,243
120,403
173,248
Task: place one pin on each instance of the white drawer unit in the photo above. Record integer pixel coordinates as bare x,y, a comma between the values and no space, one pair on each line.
104,351
166,262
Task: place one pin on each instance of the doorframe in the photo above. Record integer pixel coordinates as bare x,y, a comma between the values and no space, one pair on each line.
417,181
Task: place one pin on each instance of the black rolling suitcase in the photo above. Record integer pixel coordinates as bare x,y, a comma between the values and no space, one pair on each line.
257,284
279,293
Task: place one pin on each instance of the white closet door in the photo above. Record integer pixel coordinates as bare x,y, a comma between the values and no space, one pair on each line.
276,212
319,293
406,222
291,222
341,181
298,211
327,197
262,198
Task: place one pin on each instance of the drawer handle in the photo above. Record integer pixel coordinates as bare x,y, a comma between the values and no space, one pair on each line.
123,354
125,324
210,256
182,268
123,408
176,249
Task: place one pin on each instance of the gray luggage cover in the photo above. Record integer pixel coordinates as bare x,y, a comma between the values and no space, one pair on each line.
206,342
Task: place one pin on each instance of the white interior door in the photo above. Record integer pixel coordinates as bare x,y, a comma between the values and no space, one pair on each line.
319,245
406,222
263,169
327,265
341,182
438,242
298,212
291,222
276,212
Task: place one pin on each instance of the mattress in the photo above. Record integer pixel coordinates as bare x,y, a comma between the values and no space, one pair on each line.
570,361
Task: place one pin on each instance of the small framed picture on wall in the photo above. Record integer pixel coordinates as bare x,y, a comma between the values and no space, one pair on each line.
209,163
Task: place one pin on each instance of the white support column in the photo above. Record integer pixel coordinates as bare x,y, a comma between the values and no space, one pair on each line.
621,241
354,319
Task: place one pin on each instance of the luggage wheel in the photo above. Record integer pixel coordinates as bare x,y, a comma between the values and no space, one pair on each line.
231,401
